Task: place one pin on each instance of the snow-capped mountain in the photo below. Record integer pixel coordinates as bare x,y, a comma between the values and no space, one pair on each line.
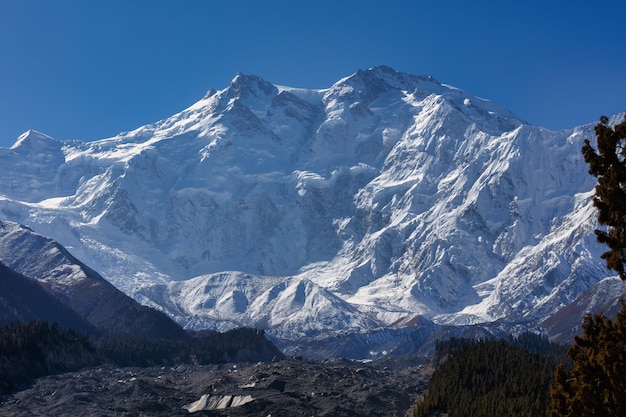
384,197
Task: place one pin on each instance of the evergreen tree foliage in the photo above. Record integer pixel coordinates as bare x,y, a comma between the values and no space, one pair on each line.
491,378
609,166
596,386
37,348
243,344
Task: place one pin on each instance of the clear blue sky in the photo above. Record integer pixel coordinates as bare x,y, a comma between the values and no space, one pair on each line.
81,69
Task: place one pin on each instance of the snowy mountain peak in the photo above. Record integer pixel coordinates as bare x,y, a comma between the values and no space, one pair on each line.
243,86
384,197
376,77
34,140
364,87
209,93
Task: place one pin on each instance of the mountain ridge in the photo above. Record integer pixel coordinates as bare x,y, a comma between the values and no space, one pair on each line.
383,197
75,293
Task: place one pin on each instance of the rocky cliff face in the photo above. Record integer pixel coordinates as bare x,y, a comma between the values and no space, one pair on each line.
384,197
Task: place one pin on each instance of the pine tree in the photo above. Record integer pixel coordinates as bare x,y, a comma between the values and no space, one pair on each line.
609,166
596,386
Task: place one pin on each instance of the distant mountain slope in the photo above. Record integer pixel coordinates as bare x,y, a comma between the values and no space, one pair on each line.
603,297
74,286
23,299
381,198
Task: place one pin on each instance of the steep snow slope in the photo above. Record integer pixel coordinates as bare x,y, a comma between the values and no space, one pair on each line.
383,197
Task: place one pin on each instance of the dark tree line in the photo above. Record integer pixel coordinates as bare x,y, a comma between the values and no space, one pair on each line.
37,348
491,378
235,345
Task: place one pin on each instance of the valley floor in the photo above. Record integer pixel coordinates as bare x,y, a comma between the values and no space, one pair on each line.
289,387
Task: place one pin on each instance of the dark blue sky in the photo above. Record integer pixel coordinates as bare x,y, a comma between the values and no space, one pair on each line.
90,69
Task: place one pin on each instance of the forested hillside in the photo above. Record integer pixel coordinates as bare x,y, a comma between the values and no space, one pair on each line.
238,345
37,348
491,378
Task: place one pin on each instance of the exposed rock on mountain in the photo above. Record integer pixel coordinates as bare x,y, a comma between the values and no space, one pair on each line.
23,299
305,212
75,287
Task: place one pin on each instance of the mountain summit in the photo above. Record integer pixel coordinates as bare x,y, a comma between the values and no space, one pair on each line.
307,212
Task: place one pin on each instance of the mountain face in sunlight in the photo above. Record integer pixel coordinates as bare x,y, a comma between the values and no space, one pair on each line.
346,210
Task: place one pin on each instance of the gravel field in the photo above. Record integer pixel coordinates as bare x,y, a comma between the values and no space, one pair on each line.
289,387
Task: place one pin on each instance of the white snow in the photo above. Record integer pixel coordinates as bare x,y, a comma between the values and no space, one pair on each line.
349,208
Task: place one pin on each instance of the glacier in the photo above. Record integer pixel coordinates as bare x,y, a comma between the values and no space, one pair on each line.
346,210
